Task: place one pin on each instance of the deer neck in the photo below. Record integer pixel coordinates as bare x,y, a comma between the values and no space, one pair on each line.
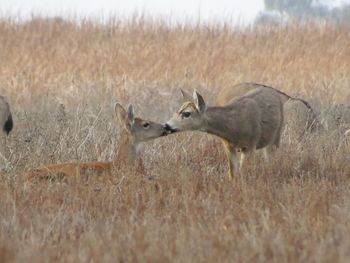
220,121
127,148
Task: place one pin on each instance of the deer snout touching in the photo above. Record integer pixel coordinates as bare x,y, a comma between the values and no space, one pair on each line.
168,129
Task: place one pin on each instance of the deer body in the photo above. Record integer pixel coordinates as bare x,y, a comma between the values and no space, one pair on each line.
134,132
298,114
239,90
68,169
250,122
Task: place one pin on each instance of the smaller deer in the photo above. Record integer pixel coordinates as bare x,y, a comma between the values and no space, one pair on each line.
245,124
135,131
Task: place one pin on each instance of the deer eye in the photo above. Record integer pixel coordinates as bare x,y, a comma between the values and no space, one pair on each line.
145,125
186,114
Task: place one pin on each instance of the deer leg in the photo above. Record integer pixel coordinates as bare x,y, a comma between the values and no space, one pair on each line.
276,143
266,155
268,150
233,161
5,148
243,157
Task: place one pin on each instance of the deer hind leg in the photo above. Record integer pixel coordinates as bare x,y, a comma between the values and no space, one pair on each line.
269,149
234,163
277,140
242,159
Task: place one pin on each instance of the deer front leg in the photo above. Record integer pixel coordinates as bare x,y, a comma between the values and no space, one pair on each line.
266,155
232,159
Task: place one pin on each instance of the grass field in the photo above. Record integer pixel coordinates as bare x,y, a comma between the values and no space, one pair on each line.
62,79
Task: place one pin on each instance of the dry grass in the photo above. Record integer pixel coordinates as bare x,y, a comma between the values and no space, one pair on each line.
62,79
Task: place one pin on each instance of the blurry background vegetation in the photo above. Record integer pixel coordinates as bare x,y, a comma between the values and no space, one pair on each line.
282,10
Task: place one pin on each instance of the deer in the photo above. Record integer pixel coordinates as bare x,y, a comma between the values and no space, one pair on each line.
135,131
6,121
245,123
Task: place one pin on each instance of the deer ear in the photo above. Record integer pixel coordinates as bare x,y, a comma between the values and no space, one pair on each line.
120,112
126,118
131,114
199,102
185,96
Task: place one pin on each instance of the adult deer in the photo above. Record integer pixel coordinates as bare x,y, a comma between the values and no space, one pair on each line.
135,131
246,123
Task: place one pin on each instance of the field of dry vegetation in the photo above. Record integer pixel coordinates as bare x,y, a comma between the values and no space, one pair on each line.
62,79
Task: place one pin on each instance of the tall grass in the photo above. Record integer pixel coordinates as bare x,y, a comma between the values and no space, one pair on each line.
62,79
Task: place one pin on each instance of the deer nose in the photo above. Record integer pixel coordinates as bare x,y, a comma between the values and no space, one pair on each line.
168,128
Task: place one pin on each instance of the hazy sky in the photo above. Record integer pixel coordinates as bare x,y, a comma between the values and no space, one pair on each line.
241,11
237,10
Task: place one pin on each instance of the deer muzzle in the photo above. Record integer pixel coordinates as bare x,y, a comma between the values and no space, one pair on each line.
168,129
